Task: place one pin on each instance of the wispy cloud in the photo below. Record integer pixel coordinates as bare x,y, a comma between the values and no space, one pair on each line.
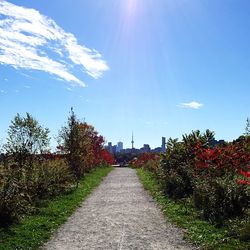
28,40
191,105
69,89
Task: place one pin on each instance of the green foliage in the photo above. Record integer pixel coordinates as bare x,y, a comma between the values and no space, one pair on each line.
25,139
244,231
30,174
175,171
221,198
177,163
215,179
70,138
21,188
82,145
13,201
50,178
234,235
196,137
38,227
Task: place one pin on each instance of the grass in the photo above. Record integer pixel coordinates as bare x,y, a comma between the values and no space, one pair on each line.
33,230
184,215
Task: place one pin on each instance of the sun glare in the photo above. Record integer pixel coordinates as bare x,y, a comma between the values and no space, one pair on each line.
131,7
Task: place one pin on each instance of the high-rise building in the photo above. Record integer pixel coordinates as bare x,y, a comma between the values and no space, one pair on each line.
146,148
114,149
110,149
119,146
163,144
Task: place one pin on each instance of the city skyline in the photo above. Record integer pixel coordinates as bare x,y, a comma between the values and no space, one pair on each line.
118,147
152,67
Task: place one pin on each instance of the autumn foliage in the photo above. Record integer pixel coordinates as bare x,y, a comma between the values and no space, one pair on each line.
29,173
82,146
217,179
232,159
146,160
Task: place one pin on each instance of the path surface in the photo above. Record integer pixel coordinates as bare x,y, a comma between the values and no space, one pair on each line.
118,215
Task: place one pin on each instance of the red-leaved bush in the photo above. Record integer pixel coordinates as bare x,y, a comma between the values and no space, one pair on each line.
149,161
216,178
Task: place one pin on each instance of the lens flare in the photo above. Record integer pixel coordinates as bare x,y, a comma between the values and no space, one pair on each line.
131,6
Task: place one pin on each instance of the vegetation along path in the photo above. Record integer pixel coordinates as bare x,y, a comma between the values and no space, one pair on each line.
118,215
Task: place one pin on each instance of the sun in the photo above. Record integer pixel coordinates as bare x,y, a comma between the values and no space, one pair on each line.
131,7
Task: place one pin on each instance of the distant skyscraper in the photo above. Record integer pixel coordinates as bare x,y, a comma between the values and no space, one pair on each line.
119,146
146,148
132,142
114,149
163,144
110,149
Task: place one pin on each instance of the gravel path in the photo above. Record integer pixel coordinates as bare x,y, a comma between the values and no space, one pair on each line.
118,215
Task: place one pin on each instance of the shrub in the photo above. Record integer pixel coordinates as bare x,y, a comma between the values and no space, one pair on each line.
244,232
149,161
50,178
217,178
220,198
21,188
13,201
31,174
177,183
176,164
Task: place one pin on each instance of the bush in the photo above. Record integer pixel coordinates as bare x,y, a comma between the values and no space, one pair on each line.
13,201
222,189
176,176
220,199
217,178
149,161
177,183
31,174
244,232
50,178
21,188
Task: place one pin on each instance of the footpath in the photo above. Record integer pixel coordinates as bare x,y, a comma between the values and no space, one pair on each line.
119,214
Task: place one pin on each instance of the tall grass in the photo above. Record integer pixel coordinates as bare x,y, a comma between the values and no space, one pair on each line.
33,230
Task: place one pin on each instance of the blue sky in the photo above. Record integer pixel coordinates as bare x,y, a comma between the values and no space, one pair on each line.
155,67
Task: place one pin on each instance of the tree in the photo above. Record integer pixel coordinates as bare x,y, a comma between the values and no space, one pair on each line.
81,144
247,129
26,138
107,158
197,137
69,137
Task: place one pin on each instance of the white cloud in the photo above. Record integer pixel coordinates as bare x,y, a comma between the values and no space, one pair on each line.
191,105
28,39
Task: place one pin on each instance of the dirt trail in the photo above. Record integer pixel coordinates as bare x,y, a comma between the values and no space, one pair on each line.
119,214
